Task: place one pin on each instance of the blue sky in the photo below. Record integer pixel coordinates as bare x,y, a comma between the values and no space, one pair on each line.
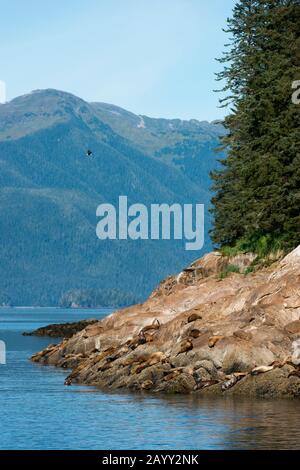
153,57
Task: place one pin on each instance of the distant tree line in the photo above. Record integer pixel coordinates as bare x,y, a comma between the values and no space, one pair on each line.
96,298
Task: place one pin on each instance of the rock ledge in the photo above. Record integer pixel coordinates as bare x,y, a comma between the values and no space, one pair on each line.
198,333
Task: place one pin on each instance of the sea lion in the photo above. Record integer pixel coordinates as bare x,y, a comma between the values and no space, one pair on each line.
212,341
294,373
117,355
147,385
146,337
129,361
137,341
205,383
142,338
188,370
246,336
185,347
154,358
106,352
157,357
278,364
137,368
155,325
232,380
193,317
173,374
229,383
149,337
194,333
170,375
261,370
106,366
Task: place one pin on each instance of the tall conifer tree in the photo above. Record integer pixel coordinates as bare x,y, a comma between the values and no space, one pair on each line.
257,190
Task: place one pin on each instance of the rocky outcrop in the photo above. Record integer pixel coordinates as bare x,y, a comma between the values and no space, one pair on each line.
198,332
61,330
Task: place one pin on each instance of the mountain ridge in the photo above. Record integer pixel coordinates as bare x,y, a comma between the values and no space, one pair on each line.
50,192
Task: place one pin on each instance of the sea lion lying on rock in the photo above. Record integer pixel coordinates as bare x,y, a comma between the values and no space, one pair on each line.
137,341
185,346
241,334
155,325
232,380
170,375
294,373
204,384
293,328
40,355
193,317
106,366
261,370
118,354
213,340
194,333
154,358
147,385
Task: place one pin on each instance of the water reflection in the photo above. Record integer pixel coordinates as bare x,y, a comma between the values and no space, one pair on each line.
38,412
229,423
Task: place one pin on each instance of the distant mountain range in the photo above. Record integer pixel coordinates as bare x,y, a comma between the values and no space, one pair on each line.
50,192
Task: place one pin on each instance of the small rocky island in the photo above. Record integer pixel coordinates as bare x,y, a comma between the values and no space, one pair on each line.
61,330
211,330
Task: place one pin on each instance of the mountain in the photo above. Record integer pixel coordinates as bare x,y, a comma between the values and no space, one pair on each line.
50,191
187,145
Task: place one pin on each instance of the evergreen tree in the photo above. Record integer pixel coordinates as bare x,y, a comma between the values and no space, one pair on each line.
257,190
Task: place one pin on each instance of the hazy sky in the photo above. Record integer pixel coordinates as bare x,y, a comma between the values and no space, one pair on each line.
153,57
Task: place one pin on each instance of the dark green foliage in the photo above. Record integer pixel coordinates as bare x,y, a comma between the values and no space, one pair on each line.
262,246
230,268
249,270
257,191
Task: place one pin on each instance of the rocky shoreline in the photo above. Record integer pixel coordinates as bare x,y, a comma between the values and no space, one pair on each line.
207,330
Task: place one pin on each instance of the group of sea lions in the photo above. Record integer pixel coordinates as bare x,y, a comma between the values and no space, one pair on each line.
106,358
101,361
140,363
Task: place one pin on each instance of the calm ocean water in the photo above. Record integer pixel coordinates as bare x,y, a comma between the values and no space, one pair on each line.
38,412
